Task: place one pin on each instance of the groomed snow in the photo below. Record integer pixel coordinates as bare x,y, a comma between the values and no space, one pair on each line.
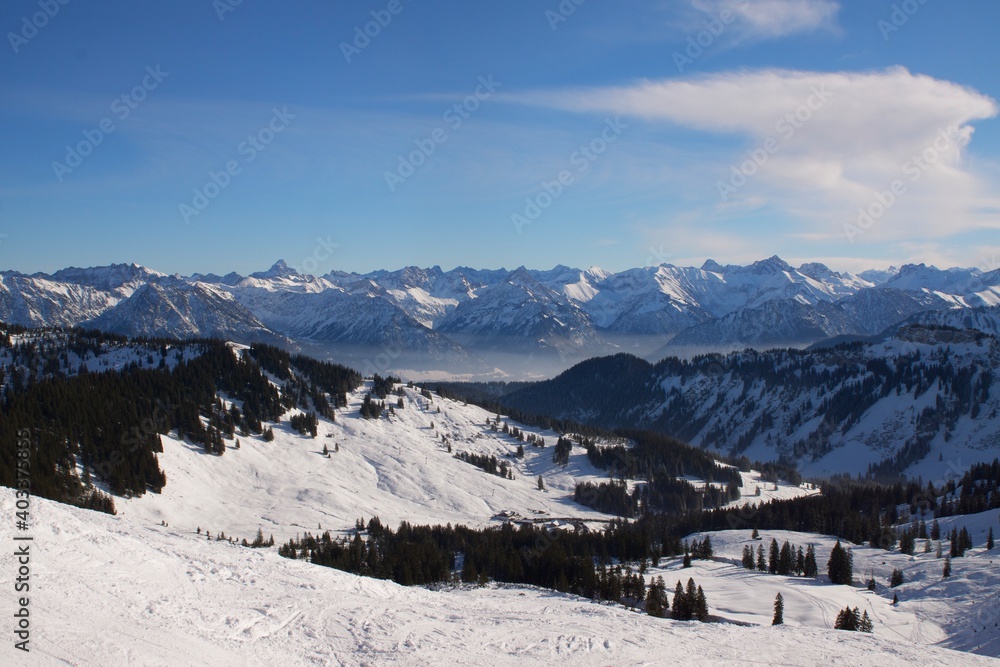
106,591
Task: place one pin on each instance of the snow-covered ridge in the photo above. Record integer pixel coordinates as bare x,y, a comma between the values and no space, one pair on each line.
461,317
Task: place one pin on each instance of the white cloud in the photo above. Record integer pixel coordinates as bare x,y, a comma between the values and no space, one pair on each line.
768,19
836,139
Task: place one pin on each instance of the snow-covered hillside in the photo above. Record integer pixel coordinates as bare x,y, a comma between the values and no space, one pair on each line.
960,612
905,403
109,591
397,468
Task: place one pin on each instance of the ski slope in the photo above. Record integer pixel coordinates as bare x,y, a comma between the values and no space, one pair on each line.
108,591
398,469
961,612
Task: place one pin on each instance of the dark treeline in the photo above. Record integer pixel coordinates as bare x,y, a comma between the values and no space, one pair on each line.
977,491
573,561
570,562
456,391
488,464
660,494
785,561
307,381
109,422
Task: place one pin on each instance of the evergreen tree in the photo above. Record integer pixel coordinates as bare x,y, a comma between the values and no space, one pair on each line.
865,624
779,610
947,568
706,551
849,619
896,579
748,562
701,606
656,598
989,540
677,608
811,568
772,561
840,567
761,563
785,559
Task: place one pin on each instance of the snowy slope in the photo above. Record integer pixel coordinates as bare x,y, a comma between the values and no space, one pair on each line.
174,308
109,591
397,469
960,612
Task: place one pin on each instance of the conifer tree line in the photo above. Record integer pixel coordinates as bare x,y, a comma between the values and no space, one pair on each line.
110,422
565,560
853,620
488,464
575,563
785,561
961,541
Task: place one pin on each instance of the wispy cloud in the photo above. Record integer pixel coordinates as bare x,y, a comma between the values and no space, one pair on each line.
756,20
839,138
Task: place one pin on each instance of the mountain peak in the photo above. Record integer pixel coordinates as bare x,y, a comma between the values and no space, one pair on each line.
278,270
772,264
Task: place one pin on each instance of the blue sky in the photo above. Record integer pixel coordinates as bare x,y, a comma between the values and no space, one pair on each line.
855,132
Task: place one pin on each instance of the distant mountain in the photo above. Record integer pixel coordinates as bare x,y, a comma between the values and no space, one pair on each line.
175,308
471,320
521,314
42,302
119,279
794,323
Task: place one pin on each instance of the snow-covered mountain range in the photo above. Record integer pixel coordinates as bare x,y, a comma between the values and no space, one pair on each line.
525,322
